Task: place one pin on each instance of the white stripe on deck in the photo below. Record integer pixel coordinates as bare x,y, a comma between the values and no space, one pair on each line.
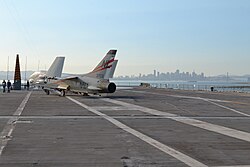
113,108
168,150
10,126
116,116
231,109
212,101
234,166
189,121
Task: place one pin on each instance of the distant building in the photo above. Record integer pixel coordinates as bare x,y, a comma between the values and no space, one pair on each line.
248,79
154,73
202,75
177,72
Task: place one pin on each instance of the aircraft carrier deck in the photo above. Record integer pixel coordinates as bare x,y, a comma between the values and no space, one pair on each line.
130,128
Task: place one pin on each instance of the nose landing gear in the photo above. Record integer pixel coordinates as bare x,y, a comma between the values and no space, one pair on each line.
62,93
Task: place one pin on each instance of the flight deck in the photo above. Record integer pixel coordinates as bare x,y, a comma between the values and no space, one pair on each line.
141,127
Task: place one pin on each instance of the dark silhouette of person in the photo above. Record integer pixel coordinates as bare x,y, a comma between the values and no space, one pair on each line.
28,85
8,85
4,85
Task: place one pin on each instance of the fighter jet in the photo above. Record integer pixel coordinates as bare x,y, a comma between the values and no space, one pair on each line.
94,82
39,78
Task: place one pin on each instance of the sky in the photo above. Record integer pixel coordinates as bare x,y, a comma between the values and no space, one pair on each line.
210,36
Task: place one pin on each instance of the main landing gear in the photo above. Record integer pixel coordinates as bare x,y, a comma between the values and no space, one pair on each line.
60,92
85,94
47,92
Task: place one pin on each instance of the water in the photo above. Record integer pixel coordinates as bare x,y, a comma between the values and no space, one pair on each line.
186,85
182,85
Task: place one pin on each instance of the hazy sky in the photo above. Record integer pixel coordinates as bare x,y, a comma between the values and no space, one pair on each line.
211,36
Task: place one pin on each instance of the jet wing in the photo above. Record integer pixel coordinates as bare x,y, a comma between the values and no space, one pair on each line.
71,78
57,85
93,88
65,83
60,83
63,86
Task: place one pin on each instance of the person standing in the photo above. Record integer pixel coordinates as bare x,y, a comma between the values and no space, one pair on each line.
4,85
28,85
8,85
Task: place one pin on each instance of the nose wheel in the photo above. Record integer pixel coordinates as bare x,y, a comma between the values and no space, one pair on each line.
62,93
47,92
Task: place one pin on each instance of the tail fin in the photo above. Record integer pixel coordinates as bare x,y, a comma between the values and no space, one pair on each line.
110,72
56,68
105,66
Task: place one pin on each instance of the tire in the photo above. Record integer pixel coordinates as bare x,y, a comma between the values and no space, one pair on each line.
63,93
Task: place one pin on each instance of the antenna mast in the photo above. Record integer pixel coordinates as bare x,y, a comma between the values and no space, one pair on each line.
38,69
8,68
25,68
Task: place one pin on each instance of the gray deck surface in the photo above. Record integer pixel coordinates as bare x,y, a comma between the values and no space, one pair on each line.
130,128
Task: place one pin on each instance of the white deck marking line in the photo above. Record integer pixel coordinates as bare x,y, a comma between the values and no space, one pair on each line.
10,126
24,121
168,150
212,101
231,109
113,108
180,96
234,166
189,121
117,116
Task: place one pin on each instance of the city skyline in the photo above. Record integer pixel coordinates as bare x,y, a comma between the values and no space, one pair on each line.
210,36
157,74
184,76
